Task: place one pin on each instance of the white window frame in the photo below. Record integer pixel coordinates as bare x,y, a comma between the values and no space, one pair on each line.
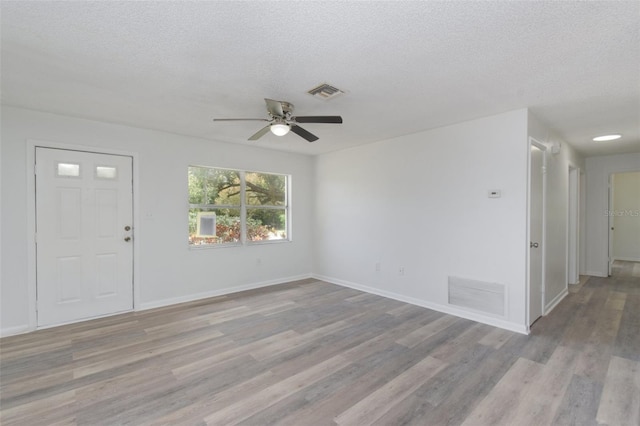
243,207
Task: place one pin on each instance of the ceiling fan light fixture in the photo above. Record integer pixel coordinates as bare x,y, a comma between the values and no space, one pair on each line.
280,129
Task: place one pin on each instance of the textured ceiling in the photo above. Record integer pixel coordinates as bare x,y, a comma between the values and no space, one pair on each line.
406,66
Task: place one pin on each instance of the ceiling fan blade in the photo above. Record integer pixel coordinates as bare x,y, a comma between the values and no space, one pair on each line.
274,107
240,119
260,133
320,119
310,137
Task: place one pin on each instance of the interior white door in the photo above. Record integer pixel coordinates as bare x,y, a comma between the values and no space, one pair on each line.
611,224
84,251
535,233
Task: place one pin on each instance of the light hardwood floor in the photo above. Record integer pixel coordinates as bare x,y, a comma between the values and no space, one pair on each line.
312,353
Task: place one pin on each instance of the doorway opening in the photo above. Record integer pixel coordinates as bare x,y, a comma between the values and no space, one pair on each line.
624,218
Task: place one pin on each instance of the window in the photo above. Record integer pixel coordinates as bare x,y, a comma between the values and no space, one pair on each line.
68,170
106,172
236,207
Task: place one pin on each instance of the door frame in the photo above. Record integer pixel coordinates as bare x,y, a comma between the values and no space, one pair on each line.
31,146
543,148
573,225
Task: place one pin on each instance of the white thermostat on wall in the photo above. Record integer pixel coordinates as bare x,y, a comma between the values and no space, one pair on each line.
494,193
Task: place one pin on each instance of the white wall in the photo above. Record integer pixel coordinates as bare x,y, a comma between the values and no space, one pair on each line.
417,201
597,239
420,202
626,216
556,209
168,271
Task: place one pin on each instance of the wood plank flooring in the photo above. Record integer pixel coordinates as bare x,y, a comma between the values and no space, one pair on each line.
312,353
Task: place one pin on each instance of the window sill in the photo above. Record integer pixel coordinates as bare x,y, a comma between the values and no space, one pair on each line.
266,242
212,246
228,245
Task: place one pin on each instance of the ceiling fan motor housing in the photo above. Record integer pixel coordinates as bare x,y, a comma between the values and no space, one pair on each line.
286,107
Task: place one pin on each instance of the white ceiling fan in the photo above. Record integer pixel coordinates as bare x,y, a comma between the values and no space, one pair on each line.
281,120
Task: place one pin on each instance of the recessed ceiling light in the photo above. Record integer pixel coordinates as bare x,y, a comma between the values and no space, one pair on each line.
607,138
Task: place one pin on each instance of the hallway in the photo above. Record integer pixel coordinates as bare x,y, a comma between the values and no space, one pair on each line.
596,328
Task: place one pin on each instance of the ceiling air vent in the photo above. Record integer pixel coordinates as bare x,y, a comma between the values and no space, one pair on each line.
325,92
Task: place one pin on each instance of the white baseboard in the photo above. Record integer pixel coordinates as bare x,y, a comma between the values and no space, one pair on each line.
496,322
10,331
555,301
217,292
596,274
628,259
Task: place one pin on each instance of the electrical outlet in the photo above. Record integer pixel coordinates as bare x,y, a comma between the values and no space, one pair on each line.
401,270
378,267
258,262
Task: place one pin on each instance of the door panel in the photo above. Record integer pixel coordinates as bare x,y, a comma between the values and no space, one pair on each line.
106,213
68,280
70,207
106,275
84,265
535,233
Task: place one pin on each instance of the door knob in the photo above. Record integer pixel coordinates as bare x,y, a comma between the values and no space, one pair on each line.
127,239
533,245
127,228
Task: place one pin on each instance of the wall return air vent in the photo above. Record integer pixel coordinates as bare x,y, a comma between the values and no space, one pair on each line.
325,92
477,295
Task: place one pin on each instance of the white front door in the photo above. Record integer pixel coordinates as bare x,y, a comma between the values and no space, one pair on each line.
535,233
84,234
